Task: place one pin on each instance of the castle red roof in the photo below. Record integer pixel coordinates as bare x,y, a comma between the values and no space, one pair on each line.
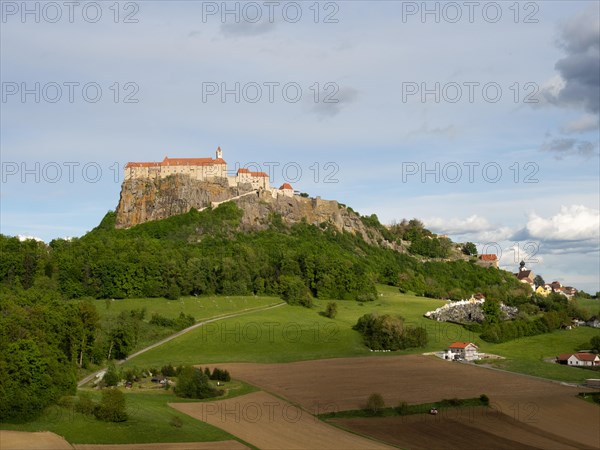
488,257
286,186
178,162
253,174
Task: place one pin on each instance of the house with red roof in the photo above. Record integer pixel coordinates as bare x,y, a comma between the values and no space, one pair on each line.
488,259
579,359
286,190
583,359
462,351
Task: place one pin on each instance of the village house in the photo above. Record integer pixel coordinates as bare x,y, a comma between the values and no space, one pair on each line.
462,351
524,275
488,260
204,169
581,359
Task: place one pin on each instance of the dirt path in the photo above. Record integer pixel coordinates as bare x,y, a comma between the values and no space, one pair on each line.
268,422
91,376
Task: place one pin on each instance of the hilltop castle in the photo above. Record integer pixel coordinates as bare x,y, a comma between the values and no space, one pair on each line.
204,169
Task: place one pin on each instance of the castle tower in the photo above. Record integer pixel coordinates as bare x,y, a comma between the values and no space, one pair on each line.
219,153
522,266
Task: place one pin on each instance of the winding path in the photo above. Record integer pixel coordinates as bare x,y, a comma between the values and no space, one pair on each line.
91,376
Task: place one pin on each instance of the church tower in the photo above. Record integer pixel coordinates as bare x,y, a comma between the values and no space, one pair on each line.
219,153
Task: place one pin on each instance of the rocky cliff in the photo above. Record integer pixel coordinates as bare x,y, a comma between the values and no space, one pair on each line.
145,200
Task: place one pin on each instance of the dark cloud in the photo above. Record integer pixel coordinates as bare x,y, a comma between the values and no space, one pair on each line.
580,69
562,147
333,99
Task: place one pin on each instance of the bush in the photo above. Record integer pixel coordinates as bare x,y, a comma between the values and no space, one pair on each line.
366,297
85,404
484,399
173,292
220,375
402,408
112,376
387,332
375,403
111,407
168,370
331,310
294,291
176,422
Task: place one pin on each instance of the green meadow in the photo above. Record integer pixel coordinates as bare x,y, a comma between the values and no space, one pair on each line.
292,333
150,420
198,307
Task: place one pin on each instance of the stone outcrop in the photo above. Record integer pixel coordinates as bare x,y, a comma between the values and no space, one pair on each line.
143,200
467,311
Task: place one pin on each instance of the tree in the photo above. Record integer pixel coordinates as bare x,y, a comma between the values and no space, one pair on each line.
595,344
388,332
294,291
193,383
469,249
491,311
112,406
331,310
375,403
111,377
539,281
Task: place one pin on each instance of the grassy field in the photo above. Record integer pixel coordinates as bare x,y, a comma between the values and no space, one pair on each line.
198,307
526,355
149,420
592,305
292,333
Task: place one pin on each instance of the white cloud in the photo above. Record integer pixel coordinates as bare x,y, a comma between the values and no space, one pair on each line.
572,223
471,224
587,122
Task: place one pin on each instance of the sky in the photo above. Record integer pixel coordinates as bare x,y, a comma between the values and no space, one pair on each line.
479,118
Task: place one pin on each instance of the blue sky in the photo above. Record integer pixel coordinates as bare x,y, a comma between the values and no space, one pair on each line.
501,150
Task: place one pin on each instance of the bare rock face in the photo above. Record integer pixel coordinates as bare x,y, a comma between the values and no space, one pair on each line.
145,200
259,209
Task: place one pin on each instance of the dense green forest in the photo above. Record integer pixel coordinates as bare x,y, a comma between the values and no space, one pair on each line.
45,339
205,253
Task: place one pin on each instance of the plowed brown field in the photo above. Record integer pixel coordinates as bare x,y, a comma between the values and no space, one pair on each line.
345,383
271,423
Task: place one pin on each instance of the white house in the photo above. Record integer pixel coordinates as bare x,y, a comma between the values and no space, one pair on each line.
583,359
462,350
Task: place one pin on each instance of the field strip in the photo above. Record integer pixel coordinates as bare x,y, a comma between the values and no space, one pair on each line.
89,377
24,440
218,445
268,422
